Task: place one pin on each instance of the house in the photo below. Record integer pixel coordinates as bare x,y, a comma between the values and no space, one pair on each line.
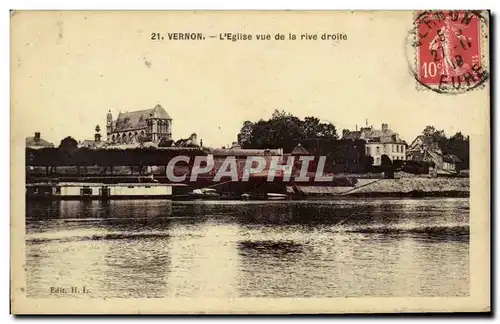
379,142
95,143
191,141
426,149
299,150
36,142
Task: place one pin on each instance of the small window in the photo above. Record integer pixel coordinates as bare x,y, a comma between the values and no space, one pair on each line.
130,186
86,191
378,149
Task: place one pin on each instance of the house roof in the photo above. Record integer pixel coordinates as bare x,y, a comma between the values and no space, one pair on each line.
378,135
91,143
137,119
31,142
451,158
427,141
299,149
87,142
429,154
353,135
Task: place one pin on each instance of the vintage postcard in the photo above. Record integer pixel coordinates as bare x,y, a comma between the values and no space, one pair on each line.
250,162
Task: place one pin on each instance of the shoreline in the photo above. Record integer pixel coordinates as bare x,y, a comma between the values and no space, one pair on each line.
365,188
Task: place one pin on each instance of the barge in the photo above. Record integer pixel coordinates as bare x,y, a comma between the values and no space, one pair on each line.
99,191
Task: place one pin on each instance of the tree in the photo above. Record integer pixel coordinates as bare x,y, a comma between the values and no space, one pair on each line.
386,161
386,166
245,133
313,128
367,162
68,143
165,143
429,131
458,145
283,130
458,136
438,136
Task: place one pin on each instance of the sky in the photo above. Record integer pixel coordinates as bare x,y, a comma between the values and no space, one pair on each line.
70,68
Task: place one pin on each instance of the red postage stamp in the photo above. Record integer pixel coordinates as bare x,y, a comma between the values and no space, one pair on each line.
449,48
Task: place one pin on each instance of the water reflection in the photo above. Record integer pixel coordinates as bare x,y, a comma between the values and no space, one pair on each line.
152,248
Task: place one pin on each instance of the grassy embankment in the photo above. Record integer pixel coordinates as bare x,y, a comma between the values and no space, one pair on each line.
414,187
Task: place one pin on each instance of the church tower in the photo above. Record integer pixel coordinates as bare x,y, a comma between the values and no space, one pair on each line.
109,125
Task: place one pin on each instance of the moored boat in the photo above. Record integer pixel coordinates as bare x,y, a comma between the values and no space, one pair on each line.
98,191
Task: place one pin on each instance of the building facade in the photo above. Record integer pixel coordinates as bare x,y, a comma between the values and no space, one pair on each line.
150,125
379,142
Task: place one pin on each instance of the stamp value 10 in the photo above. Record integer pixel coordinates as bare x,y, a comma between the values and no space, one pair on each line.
449,50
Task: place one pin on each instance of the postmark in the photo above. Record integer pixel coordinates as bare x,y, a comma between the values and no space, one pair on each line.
449,50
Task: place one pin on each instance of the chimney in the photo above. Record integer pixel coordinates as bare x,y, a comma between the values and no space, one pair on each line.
194,139
37,136
385,127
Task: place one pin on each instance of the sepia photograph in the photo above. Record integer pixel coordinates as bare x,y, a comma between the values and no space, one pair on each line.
250,162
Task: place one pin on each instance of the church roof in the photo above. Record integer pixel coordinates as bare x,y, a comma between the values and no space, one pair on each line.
137,119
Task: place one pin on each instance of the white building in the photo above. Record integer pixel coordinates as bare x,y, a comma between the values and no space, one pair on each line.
379,142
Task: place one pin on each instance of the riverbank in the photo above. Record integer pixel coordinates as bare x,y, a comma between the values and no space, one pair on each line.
404,187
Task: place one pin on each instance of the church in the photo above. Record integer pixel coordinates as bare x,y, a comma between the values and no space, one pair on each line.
150,125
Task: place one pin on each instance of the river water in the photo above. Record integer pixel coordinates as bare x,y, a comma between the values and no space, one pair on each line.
335,248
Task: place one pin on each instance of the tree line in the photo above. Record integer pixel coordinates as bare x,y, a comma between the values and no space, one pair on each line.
284,130
62,156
